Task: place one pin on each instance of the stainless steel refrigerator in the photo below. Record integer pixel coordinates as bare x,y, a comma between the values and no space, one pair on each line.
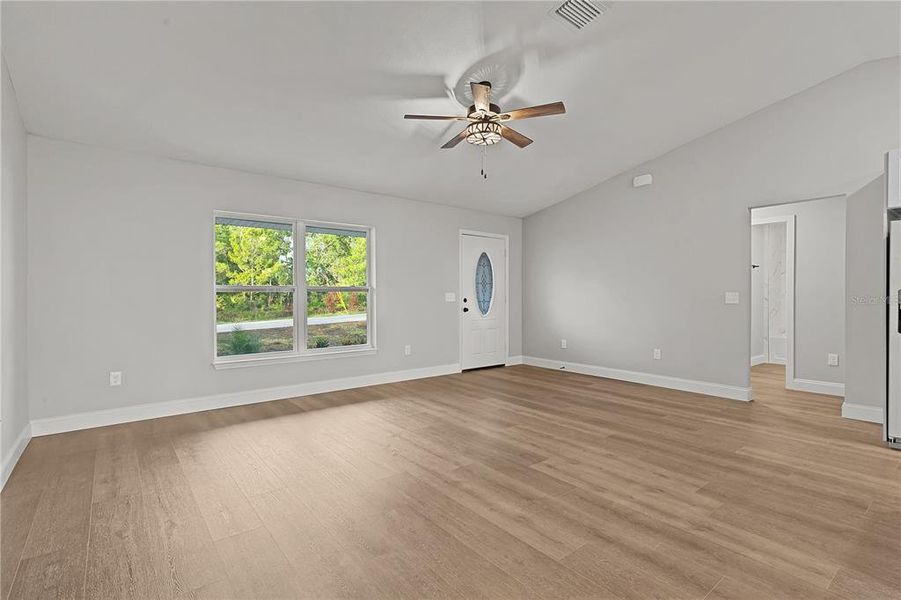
892,427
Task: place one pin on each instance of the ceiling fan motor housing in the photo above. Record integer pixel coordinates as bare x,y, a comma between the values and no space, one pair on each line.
493,110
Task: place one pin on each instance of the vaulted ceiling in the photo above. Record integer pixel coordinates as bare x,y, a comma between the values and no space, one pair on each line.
317,91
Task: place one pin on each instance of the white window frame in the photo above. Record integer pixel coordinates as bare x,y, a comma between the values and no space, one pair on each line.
299,289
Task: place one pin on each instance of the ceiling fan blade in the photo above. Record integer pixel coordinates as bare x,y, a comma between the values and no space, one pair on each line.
455,140
481,96
435,118
543,110
515,137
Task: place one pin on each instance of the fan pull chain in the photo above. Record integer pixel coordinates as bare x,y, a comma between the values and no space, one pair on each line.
484,171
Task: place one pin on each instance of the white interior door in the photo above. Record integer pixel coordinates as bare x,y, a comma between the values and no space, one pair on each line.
483,301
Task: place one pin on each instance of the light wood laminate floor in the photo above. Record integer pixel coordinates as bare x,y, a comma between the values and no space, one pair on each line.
504,483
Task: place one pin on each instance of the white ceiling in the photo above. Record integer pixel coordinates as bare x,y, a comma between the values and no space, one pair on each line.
317,91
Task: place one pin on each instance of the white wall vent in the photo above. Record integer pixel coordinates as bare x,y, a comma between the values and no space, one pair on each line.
579,13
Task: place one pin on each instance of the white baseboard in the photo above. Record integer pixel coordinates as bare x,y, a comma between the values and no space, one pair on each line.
514,360
862,412
758,360
140,412
731,392
817,387
777,361
15,453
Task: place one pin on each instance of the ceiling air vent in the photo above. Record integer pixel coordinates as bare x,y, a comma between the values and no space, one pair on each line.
579,13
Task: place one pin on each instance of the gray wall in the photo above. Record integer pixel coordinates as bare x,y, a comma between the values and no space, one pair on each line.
865,318
120,277
819,285
13,392
618,271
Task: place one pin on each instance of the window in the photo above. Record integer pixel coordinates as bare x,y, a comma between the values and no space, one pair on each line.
265,310
337,287
484,284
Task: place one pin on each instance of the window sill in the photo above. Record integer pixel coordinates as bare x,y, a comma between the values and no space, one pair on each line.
252,361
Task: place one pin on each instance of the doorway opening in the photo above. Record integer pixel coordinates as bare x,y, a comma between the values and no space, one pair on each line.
797,305
772,291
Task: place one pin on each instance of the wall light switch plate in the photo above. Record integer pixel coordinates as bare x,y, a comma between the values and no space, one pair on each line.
115,378
832,360
657,354
450,297
408,350
563,344
732,297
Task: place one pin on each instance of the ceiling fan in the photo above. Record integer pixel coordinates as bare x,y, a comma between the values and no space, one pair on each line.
486,121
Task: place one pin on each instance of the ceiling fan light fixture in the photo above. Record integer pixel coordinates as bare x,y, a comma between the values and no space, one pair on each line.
483,133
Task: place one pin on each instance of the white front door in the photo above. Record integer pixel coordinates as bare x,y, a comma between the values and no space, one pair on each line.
483,301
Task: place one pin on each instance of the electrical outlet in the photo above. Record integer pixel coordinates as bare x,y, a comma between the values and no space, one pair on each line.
450,296
408,350
731,298
115,378
563,344
832,360
657,354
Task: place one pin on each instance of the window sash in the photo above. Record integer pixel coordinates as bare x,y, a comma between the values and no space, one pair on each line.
248,325
337,288
370,329
300,287
256,288
262,222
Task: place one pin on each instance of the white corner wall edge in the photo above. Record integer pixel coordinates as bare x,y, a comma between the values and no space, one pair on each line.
513,360
862,412
817,387
758,360
720,390
18,448
141,412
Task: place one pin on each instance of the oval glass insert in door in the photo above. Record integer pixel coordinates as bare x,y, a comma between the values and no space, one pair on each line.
484,283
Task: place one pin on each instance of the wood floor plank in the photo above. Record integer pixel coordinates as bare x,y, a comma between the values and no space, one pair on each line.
223,505
16,517
501,483
321,568
53,559
542,575
117,563
257,567
181,553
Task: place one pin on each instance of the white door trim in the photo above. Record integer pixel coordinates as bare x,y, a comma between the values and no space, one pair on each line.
789,221
485,234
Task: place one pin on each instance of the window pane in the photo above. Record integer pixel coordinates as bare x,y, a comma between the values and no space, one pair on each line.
253,252
336,319
336,257
484,284
254,322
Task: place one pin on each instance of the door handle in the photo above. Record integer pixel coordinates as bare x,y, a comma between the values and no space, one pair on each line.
465,309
